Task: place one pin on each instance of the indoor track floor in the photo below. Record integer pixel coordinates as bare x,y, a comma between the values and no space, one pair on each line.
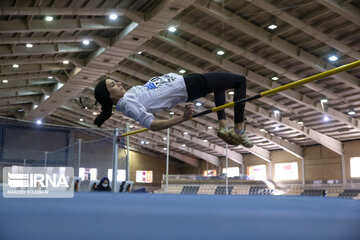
110,216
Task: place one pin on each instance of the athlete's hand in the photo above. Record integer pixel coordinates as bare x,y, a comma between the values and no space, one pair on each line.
189,111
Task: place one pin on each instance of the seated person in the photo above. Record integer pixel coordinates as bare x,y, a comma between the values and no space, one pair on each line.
103,186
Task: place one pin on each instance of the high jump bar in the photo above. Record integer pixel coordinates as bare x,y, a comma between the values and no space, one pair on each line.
269,92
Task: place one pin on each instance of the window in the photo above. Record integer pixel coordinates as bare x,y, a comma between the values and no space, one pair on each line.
355,167
233,171
257,172
88,174
144,176
286,171
121,175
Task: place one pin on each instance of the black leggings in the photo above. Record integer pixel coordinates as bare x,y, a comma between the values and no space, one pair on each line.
199,85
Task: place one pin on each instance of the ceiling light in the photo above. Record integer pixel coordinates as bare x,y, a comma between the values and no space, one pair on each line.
38,122
15,65
95,113
86,42
185,133
300,122
198,104
172,113
351,112
46,96
113,16
220,52
231,93
277,128
326,118
86,107
209,127
36,106
205,140
147,143
49,18
172,29
164,149
142,142
262,130
140,52
81,120
50,77
66,62
29,45
183,145
276,111
333,58
275,78
182,71
324,100
164,138
5,81
272,26
131,126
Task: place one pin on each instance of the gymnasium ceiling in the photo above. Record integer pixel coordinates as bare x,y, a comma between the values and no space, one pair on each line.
138,45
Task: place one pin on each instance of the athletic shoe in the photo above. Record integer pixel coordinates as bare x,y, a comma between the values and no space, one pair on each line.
224,134
240,138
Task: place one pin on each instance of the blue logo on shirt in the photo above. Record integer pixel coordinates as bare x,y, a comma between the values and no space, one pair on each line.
155,82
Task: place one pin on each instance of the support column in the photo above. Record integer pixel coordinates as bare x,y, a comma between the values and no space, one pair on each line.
227,168
270,171
343,171
79,158
303,171
45,158
167,159
127,178
115,158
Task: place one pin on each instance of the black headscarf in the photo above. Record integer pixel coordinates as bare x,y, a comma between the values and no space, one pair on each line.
102,95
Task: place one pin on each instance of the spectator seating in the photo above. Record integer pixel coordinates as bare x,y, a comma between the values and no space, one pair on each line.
222,190
314,192
190,190
349,193
261,190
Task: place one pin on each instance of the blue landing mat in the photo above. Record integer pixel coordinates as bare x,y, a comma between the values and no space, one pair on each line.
151,216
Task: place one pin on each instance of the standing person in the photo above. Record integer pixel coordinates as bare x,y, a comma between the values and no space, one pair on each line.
164,92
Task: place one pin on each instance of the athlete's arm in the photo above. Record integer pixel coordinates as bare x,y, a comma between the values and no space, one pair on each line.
157,125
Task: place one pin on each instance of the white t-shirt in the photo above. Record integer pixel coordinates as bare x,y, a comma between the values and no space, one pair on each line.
158,94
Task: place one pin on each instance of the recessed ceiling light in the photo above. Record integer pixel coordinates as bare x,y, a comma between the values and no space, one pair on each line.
351,112
86,42
205,140
29,45
300,122
333,58
220,52
326,118
272,26
231,93
142,142
36,106
38,122
275,78
81,119
185,133
198,104
66,62
276,111
140,52
164,138
46,96
164,149
146,143
172,29
113,16
50,77
95,113
183,145
277,128
15,65
49,18
210,127
262,130
172,113
131,126
86,107
182,71
5,81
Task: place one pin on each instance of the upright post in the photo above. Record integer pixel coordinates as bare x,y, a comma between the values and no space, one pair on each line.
79,157
115,158
167,159
303,171
45,158
343,172
127,154
227,165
